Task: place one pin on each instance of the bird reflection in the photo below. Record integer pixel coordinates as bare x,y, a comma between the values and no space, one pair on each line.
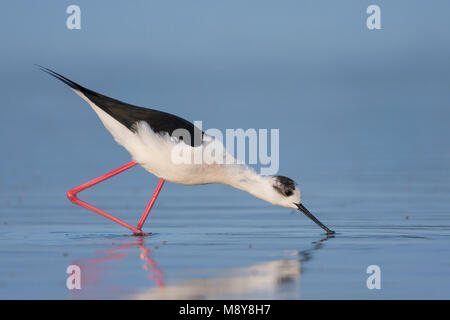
261,280
271,279
94,269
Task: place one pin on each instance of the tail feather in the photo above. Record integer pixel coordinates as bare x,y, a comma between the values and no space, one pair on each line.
69,82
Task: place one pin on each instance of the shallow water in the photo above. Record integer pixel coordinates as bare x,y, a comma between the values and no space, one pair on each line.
364,130
217,243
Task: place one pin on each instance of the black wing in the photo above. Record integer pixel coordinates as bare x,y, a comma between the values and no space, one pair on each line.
128,114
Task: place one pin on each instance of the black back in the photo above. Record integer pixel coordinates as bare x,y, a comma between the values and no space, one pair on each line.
128,115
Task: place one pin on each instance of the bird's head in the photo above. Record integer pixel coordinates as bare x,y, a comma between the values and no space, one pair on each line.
278,190
285,193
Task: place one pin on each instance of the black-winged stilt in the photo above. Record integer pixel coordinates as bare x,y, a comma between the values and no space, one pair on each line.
147,134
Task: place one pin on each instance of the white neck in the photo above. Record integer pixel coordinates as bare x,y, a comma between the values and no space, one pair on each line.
246,179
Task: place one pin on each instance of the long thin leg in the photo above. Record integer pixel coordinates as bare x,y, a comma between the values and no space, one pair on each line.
72,195
150,204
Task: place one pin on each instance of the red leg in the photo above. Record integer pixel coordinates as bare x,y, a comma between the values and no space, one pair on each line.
150,204
72,195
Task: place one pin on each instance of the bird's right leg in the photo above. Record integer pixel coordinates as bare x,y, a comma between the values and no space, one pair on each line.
72,195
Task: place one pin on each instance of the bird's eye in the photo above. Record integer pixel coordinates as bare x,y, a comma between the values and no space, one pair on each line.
288,193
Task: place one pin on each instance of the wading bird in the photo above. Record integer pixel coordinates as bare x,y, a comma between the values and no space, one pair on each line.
148,135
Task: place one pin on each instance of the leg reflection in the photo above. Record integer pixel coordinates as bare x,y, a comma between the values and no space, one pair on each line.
94,271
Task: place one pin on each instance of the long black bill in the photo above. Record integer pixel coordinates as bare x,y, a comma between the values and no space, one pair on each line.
309,214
